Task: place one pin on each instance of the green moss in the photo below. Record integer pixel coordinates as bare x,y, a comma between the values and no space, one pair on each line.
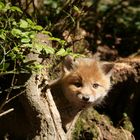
127,124
86,126
78,129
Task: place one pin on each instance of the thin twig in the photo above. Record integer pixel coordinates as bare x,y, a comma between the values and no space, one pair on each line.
12,84
7,100
12,98
6,112
8,94
26,8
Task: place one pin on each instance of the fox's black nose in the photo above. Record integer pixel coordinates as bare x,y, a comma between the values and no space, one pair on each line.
85,98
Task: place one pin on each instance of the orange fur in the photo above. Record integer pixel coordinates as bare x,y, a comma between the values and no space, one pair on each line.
84,82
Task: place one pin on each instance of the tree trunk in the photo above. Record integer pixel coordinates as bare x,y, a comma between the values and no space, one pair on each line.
41,113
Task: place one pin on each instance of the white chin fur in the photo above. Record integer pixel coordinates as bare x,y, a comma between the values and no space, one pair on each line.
96,97
93,100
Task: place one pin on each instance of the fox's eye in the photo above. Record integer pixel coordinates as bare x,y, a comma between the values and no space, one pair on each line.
78,84
95,85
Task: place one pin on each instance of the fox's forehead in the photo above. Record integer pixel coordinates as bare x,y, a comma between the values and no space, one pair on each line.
88,67
88,70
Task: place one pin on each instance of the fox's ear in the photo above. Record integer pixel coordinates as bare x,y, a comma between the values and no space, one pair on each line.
68,64
107,68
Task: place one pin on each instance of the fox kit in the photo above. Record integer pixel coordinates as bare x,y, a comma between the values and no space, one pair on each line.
84,82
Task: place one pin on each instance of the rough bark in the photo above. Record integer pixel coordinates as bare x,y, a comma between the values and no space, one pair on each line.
42,113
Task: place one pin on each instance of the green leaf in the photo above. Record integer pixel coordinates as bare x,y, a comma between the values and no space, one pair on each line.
15,8
61,52
37,27
25,40
38,47
32,35
6,8
49,50
26,45
12,55
37,67
2,34
2,5
30,22
23,24
62,42
25,34
14,23
16,32
47,32
76,9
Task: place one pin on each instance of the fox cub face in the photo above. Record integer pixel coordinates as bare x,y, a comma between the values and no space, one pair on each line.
85,81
